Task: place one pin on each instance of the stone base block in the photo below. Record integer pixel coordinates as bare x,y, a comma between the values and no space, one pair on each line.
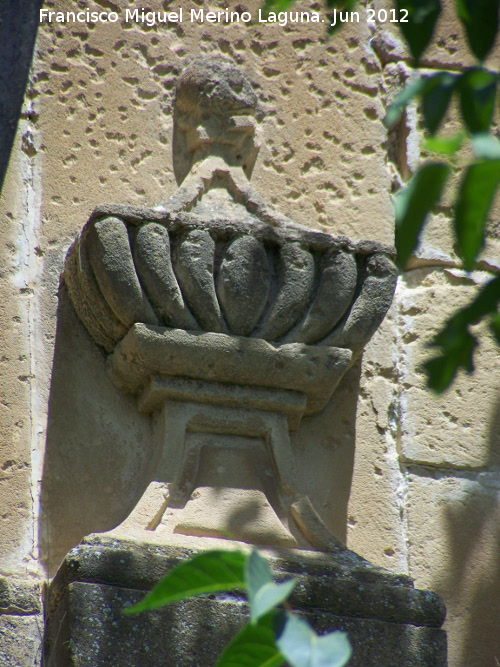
389,623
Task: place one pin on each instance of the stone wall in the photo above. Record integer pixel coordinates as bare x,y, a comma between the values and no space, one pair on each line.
409,480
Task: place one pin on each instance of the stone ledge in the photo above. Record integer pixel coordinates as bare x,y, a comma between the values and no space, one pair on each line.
160,389
93,632
389,622
326,582
148,350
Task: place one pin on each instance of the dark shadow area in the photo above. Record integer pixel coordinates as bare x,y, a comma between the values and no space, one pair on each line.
324,450
472,580
99,449
18,28
494,454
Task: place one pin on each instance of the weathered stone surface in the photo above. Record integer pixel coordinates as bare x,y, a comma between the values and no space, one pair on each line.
213,115
154,266
307,87
437,245
283,277
243,284
369,308
98,447
388,621
18,596
17,276
334,296
194,266
388,596
113,265
92,309
244,211
448,48
174,634
97,581
212,510
454,547
146,351
21,622
98,119
294,291
290,403
454,429
21,641
378,535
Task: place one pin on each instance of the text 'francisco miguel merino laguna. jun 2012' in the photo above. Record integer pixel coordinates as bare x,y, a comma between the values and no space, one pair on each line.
150,18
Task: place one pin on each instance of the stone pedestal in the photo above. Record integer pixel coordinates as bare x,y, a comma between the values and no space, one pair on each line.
389,623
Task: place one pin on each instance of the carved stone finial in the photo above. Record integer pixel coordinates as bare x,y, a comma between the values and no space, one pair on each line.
214,116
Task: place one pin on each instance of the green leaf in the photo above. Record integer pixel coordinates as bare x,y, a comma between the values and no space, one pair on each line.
444,145
455,341
422,17
340,5
276,6
436,91
208,572
495,326
402,100
480,19
263,593
486,147
474,201
257,572
413,204
301,646
441,370
284,5
253,646
485,303
268,597
436,96
478,89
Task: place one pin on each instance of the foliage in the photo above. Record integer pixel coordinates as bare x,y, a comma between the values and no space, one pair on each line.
476,90
272,636
457,343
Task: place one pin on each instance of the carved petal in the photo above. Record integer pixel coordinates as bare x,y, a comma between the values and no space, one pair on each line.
370,307
334,296
93,310
114,269
194,268
154,266
296,278
243,284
